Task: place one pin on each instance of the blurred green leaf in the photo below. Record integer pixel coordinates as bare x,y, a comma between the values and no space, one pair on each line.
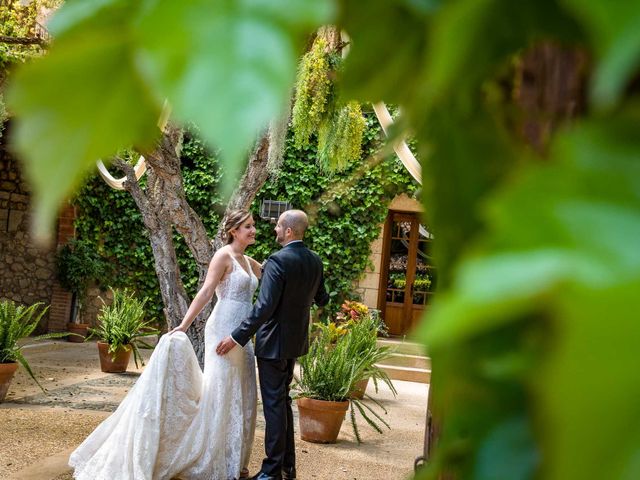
77,15
226,66
615,31
511,440
560,252
392,30
569,222
83,101
589,387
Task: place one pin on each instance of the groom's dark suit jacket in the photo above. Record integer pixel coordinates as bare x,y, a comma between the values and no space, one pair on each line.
292,280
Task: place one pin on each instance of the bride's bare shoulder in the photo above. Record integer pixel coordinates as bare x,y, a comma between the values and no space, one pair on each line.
222,257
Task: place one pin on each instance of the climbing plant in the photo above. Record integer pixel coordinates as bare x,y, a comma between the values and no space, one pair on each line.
346,209
111,221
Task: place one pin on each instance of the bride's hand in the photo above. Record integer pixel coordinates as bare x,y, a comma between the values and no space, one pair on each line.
179,328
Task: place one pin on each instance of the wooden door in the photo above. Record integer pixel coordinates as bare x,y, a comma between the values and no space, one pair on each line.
407,279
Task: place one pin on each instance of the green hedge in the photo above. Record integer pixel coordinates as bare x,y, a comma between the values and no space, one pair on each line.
346,209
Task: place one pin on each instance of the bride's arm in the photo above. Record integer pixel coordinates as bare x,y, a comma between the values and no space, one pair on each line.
220,263
256,267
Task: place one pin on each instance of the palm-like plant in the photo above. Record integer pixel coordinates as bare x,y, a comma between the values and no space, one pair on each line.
122,324
333,366
18,322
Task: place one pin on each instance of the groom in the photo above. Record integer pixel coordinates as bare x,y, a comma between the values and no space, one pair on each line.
291,281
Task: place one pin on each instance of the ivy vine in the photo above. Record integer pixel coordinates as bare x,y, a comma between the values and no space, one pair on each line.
346,211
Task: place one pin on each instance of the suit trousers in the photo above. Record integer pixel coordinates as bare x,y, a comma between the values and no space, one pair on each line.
279,442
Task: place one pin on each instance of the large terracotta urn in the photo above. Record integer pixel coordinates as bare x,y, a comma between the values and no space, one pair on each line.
320,420
113,363
7,370
79,329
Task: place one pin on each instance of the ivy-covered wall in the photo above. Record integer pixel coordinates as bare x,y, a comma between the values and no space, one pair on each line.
346,210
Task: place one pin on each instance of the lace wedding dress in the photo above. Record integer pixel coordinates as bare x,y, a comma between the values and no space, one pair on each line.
178,421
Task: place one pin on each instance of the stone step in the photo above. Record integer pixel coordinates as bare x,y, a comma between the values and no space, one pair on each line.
408,374
408,362
403,346
412,361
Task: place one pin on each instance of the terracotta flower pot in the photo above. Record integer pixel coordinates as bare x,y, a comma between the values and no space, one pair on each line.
7,371
79,329
359,388
117,365
320,420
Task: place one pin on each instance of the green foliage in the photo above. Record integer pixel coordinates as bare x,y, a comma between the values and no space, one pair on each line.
78,264
122,324
340,137
536,274
114,63
352,212
18,322
18,20
535,332
111,223
339,126
313,91
615,33
332,367
346,211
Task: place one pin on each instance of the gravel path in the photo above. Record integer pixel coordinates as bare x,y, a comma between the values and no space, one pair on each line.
35,427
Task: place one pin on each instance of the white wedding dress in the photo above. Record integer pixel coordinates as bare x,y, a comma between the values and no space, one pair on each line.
178,421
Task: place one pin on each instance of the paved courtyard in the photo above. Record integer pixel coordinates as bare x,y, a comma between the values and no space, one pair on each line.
39,431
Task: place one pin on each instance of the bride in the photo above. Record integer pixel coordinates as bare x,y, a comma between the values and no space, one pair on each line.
178,421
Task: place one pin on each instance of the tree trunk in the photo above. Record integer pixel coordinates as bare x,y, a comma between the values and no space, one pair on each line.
549,87
164,206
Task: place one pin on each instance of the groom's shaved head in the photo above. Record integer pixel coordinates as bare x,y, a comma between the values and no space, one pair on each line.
297,221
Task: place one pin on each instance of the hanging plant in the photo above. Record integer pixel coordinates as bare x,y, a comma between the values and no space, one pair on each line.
313,89
340,137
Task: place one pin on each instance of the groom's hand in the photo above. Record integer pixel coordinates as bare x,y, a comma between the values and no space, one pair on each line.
225,346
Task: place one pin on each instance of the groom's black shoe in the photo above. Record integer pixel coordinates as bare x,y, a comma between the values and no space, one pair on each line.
264,476
289,473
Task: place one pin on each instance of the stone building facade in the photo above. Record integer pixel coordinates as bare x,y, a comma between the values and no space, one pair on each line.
27,270
369,286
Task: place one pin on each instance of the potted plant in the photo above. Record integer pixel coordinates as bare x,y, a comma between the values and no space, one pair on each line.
328,375
17,322
121,328
78,264
370,326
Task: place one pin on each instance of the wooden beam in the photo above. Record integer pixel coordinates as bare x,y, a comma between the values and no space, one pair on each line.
23,40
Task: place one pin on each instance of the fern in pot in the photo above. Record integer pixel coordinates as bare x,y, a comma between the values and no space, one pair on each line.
121,331
18,322
328,375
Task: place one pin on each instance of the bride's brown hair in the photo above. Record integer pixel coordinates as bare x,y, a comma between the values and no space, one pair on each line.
234,220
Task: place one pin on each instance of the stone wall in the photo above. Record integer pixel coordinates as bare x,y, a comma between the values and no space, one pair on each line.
27,271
